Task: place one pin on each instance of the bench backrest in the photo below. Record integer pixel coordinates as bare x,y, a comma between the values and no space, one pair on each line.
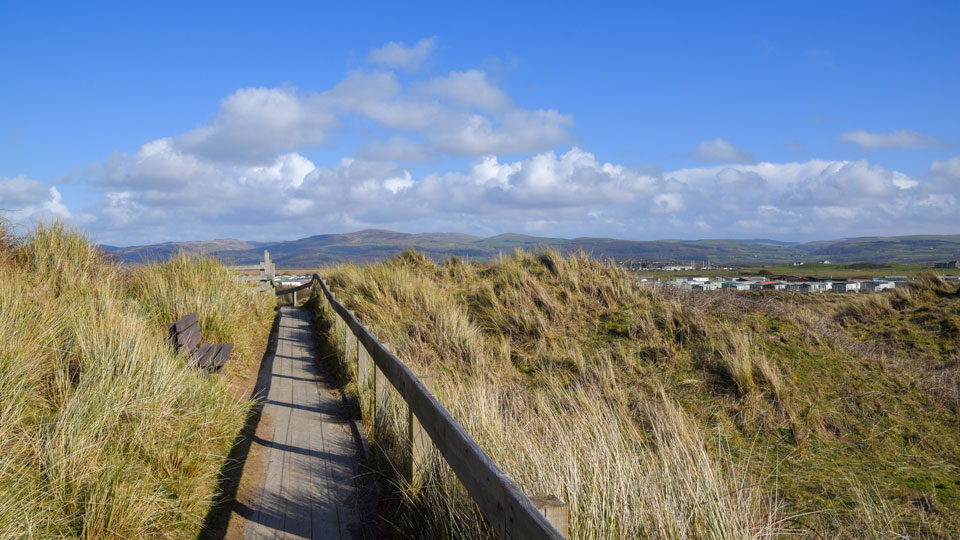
185,333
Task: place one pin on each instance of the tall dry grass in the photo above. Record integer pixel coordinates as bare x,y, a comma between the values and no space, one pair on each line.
104,432
659,413
508,347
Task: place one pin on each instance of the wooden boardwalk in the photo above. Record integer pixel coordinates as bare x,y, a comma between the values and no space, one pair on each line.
310,485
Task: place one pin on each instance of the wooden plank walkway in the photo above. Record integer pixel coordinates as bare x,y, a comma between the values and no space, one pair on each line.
310,486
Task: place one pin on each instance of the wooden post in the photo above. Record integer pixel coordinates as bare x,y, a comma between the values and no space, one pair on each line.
349,346
556,512
381,397
381,393
338,325
269,271
421,447
364,382
294,298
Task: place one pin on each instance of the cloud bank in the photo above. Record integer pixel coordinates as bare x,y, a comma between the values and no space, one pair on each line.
497,166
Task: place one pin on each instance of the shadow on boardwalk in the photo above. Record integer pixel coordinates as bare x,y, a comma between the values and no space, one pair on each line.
294,469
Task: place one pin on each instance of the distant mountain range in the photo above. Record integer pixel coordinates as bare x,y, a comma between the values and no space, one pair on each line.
373,245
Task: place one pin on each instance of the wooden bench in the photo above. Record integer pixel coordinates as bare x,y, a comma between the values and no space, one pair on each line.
185,335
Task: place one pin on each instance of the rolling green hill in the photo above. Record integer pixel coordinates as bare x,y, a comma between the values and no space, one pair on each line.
374,245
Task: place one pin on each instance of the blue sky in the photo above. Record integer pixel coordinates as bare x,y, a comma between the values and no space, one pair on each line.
146,123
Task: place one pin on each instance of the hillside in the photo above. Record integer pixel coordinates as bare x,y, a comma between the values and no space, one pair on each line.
161,252
377,245
895,249
659,413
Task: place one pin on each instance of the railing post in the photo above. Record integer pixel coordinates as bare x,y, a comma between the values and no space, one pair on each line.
350,345
381,393
421,447
338,324
364,366
381,396
556,512
269,269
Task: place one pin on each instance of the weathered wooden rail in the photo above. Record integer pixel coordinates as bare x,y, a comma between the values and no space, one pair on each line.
502,503
267,272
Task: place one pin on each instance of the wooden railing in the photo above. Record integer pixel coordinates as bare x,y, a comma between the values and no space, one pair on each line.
506,508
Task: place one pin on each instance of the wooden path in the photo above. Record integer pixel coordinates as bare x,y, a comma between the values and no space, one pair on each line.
310,485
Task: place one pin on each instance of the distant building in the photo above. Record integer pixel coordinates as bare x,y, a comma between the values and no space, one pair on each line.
816,286
948,264
736,285
875,286
846,286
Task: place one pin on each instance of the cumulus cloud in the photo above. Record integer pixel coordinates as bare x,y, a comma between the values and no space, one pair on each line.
822,198
720,151
23,201
396,55
246,173
895,140
254,123
461,113
570,193
469,89
947,170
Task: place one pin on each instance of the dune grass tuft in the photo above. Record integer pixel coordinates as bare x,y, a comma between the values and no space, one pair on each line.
659,413
104,432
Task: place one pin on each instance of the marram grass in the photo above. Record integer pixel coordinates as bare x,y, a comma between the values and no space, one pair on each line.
104,432
657,413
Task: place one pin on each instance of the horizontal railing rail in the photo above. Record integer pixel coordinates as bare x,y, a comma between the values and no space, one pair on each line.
502,503
266,275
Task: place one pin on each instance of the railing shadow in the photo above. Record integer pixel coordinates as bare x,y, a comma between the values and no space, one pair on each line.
217,521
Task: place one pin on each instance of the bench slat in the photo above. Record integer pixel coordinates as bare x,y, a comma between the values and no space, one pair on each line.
185,335
195,358
187,321
188,341
181,337
222,355
186,329
203,359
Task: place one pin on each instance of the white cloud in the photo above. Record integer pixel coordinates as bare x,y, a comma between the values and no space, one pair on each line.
720,151
467,122
253,123
885,141
571,193
461,114
24,201
667,203
396,55
20,190
244,173
469,89
947,170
